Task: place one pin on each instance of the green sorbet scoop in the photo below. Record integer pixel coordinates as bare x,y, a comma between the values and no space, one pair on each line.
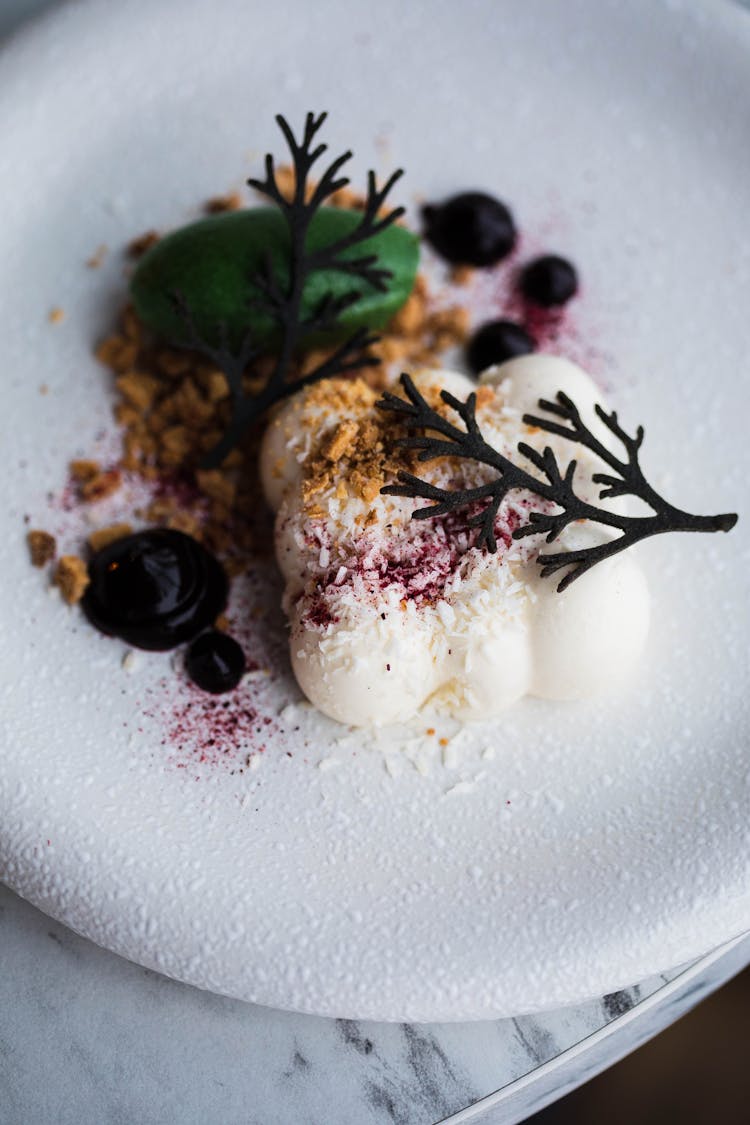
212,264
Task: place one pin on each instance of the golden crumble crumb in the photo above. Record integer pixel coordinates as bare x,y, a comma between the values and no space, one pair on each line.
367,487
423,358
117,352
101,485
410,317
286,181
442,340
108,349
56,315
315,484
393,348
42,547
158,419
312,359
138,246
189,405
340,395
485,395
129,324
138,389
186,523
462,274
126,355
215,386
97,258
220,203
159,510
84,469
348,198
173,362
364,444
128,416
106,535
450,323
175,445
340,441
71,577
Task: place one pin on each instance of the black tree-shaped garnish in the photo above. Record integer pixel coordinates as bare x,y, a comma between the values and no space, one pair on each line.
441,438
284,304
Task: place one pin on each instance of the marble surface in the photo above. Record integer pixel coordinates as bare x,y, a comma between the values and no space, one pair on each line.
117,1043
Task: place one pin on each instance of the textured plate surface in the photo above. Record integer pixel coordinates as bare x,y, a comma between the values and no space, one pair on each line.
594,843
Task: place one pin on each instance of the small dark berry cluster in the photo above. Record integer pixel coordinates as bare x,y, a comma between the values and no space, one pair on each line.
476,229
159,588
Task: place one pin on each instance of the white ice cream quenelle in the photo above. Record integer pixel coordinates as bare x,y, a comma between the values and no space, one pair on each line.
388,613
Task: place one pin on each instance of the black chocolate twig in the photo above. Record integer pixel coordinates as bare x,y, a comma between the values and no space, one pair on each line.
554,486
283,302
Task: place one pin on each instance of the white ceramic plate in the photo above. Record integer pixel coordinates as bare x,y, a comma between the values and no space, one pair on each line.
593,844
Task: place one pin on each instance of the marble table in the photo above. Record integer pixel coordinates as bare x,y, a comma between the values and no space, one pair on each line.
88,1037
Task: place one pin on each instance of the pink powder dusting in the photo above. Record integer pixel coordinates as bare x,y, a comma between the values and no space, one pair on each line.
494,294
418,565
200,729
203,728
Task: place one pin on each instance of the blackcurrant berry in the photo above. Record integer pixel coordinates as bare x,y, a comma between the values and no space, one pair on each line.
495,342
549,281
215,662
471,228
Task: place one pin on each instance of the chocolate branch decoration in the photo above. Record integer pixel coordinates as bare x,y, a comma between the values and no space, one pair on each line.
284,303
435,436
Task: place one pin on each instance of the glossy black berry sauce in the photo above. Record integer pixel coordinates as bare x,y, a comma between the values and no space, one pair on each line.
495,342
215,662
155,589
549,281
471,229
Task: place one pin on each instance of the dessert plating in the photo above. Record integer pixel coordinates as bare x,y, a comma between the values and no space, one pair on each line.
392,605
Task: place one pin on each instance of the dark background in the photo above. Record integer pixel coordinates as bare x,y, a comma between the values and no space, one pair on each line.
697,1072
